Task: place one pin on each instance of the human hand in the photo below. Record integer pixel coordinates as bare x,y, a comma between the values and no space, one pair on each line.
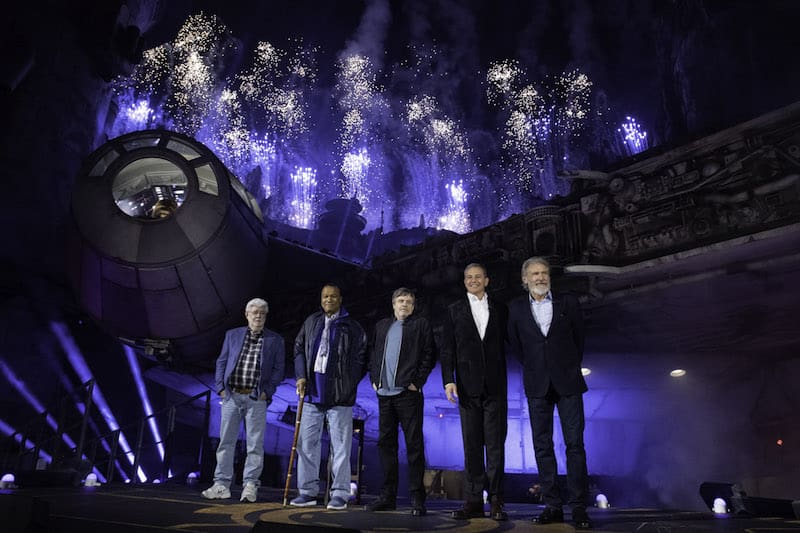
452,392
301,387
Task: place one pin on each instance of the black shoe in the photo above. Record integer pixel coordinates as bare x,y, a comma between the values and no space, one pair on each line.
498,512
382,504
469,510
418,508
550,515
581,518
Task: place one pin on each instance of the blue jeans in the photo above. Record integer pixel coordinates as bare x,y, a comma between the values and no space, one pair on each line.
340,429
236,407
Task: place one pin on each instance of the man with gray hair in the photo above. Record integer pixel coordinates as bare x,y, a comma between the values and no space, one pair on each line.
249,369
546,332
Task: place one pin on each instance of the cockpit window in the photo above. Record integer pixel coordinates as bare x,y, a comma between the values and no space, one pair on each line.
151,188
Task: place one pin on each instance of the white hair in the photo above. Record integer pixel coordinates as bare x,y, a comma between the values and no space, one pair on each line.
257,302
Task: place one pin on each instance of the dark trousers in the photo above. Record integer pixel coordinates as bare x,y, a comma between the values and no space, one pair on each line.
570,411
484,424
404,409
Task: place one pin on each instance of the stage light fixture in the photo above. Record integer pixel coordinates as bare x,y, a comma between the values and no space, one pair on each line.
601,501
7,481
720,506
586,371
677,373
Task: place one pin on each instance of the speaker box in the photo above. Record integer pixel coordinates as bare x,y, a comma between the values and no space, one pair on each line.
276,527
24,514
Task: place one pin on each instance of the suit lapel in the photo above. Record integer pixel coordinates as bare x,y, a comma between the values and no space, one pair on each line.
466,308
557,305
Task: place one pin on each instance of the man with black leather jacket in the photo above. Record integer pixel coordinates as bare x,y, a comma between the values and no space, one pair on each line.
402,356
329,361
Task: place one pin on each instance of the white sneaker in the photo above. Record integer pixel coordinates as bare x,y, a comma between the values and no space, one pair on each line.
249,492
217,491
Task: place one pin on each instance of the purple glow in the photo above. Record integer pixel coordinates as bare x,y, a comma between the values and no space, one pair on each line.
8,430
396,152
22,389
456,219
632,137
82,369
355,167
304,188
136,372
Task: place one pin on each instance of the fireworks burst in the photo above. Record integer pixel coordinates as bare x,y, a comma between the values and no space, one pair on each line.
303,197
257,121
632,137
542,125
456,218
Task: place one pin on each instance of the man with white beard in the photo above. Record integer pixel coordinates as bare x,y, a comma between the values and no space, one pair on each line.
545,332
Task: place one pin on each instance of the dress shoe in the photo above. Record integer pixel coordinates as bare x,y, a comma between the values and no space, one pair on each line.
418,508
382,504
469,510
581,518
498,512
550,515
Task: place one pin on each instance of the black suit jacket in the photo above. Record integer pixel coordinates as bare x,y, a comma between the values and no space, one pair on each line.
555,358
474,365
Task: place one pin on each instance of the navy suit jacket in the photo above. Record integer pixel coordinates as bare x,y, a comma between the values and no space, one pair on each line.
273,360
555,358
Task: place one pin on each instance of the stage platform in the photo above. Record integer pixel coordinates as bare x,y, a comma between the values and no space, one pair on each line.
125,508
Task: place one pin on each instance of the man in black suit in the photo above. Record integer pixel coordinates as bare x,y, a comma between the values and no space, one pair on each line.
546,333
474,373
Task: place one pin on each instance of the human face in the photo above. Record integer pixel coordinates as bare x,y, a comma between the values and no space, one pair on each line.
331,300
256,316
476,280
403,306
537,279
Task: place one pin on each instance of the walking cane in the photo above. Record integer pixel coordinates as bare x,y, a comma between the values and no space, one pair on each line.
294,445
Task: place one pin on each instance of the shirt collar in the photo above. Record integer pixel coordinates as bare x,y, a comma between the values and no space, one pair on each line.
547,298
474,299
255,334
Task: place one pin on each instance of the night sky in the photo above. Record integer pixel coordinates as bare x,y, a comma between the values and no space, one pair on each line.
482,152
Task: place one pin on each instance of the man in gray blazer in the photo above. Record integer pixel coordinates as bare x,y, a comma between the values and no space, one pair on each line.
546,333
249,369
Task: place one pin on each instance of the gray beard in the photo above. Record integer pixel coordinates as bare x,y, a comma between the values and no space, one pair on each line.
540,291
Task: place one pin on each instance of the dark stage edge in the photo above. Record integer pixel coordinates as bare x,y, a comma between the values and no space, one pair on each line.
125,508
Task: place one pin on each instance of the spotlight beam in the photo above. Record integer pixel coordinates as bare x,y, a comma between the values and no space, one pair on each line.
78,363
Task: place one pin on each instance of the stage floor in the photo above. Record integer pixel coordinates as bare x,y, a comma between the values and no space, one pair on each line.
124,508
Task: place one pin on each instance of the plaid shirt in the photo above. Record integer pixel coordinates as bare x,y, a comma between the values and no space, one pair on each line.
248,368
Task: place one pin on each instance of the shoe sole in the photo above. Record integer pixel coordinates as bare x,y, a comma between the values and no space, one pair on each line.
306,504
336,507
